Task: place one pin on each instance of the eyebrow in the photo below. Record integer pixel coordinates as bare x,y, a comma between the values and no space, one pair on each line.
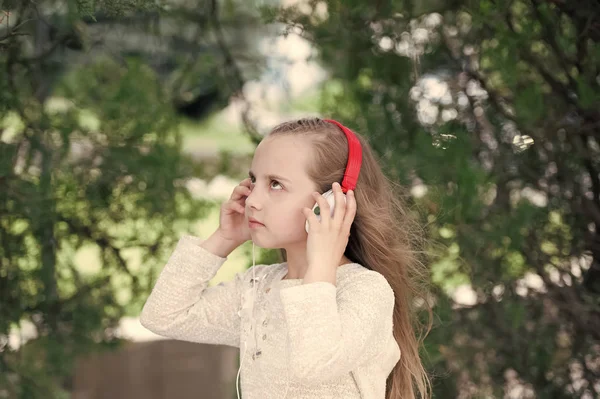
271,177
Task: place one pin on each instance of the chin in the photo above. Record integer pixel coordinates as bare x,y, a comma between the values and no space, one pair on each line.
259,242
263,243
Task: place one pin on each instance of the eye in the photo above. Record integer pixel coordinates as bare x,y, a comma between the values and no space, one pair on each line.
276,182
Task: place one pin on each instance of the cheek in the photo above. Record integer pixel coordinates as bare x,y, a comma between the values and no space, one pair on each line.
292,218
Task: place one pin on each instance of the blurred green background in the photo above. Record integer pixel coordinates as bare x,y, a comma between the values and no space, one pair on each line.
125,123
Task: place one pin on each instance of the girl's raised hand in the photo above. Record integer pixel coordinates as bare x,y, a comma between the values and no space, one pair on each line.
328,239
233,225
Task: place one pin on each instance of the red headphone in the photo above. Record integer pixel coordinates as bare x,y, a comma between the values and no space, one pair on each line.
350,174
354,158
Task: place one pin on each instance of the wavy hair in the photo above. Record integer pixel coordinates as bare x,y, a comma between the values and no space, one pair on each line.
384,237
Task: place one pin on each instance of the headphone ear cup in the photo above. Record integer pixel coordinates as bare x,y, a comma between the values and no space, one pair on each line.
330,197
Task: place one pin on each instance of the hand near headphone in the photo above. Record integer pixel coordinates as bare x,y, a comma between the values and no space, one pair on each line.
327,240
233,226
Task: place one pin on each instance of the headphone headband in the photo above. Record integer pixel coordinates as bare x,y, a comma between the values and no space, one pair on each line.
354,158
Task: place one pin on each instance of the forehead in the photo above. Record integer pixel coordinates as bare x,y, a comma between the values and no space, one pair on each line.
286,155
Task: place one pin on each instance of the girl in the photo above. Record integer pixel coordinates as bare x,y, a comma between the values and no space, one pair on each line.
334,320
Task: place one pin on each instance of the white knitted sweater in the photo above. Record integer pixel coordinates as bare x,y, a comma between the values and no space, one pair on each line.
297,340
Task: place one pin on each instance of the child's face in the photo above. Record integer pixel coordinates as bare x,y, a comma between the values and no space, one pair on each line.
278,202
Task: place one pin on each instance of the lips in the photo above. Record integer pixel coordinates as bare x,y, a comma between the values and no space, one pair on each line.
252,220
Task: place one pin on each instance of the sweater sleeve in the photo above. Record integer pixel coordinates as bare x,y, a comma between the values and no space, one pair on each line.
182,306
331,331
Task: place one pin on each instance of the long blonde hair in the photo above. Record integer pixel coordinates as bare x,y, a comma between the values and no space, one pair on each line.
384,237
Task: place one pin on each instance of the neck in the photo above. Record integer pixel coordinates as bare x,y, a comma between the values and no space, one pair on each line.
297,262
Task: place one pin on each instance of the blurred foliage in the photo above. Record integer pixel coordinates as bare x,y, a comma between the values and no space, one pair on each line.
493,105
487,109
92,95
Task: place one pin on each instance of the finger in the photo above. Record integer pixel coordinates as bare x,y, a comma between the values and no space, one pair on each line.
235,207
350,211
240,192
246,182
313,222
340,205
324,211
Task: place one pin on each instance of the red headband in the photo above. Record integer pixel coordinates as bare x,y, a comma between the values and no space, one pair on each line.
354,158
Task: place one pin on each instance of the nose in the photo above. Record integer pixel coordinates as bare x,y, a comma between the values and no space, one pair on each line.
253,200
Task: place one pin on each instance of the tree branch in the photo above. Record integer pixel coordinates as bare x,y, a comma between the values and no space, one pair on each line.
103,243
233,70
554,84
549,36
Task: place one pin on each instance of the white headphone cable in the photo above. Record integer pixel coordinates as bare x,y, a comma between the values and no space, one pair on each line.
245,346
